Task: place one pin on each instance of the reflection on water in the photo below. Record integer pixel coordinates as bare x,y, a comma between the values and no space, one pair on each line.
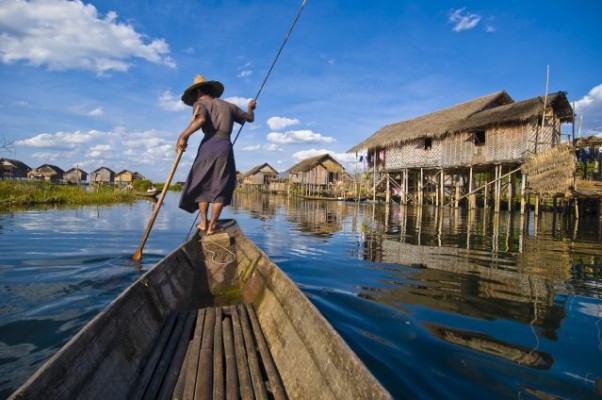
439,303
507,288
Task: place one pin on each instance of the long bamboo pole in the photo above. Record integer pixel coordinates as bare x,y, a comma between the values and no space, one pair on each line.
137,256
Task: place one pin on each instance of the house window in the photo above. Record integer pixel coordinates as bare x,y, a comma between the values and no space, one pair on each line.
428,143
479,138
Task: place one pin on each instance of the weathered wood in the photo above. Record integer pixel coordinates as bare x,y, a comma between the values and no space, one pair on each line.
178,392
193,360
151,364
204,380
276,385
152,391
244,377
218,360
171,377
230,358
256,377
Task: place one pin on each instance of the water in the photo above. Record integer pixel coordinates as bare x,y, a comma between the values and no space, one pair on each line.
437,304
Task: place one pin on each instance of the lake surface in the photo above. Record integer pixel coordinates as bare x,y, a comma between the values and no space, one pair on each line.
437,303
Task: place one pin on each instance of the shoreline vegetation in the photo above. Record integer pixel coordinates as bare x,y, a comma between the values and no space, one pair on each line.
29,193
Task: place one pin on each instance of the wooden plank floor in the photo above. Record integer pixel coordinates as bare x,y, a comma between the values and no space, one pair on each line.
212,353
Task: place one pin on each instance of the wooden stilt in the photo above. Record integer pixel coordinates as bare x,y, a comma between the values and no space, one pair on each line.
523,188
442,187
511,192
497,194
437,192
421,188
536,212
472,200
388,192
457,195
486,192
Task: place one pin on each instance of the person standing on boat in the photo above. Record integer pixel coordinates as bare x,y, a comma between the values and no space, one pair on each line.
212,177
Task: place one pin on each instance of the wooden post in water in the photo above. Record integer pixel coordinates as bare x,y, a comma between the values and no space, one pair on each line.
497,195
511,192
420,188
457,193
388,193
486,193
442,187
472,200
536,212
404,193
523,188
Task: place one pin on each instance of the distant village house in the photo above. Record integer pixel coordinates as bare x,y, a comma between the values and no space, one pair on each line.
126,177
13,169
47,172
102,175
75,175
320,175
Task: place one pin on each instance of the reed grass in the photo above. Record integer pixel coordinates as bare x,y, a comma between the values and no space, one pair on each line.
19,193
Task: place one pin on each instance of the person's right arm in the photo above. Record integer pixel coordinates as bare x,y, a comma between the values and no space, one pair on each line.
194,125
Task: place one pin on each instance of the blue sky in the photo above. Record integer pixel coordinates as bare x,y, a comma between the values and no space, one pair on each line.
98,83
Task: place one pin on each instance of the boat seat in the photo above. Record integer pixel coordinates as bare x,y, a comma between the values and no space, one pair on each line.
211,353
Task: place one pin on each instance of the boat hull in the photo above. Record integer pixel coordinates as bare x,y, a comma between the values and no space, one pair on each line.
106,358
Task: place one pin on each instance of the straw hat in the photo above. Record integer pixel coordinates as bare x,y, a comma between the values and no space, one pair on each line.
189,96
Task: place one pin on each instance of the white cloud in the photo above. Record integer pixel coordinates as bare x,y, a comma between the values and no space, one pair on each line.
463,20
169,102
590,107
303,136
251,148
272,147
276,123
58,140
245,73
97,112
66,35
239,101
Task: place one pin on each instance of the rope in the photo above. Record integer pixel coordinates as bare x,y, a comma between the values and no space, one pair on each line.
290,30
214,254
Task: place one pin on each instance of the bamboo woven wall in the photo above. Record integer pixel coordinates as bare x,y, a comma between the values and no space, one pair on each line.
413,154
503,144
551,172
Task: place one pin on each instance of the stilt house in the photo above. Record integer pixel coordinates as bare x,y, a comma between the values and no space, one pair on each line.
102,175
13,169
75,175
443,155
47,172
126,177
318,175
261,175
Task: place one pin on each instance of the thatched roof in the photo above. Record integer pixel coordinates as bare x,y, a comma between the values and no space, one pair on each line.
483,112
14,163
50,167
72,170
258,168
308,164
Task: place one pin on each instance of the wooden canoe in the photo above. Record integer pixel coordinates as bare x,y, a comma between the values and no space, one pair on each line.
213,319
